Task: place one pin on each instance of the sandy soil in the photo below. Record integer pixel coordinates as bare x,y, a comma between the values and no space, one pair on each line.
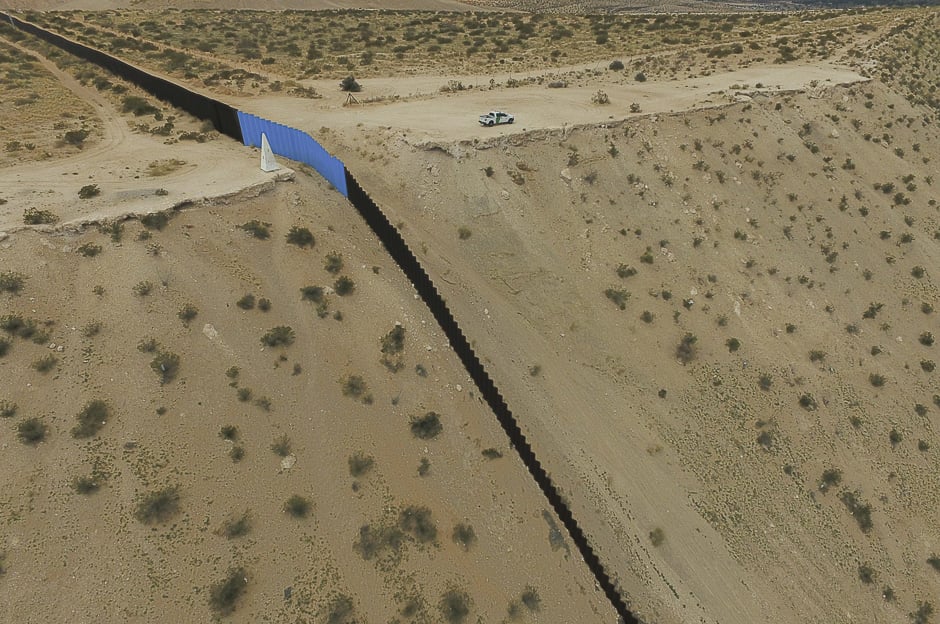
276,5
774,230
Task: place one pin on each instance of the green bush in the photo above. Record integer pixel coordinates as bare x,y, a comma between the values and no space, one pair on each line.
312,293
187,313
257,229
281,335
166,365
34,216
455,606
247,302
224,595
46,363
236,527
91,419
138,105
349,84
7,409
657,536
417,522
686,350
155,220
860,511
733,344
228,432
12,282
300,236
426,427
531,599
297,506
334,263
464,535
360,464
31,431
619,296
281,446
344,286
158,506
88,191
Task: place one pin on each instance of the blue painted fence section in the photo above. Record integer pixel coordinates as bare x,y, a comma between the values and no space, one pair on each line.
294,144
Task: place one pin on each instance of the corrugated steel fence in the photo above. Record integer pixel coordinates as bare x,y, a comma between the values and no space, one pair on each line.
294,144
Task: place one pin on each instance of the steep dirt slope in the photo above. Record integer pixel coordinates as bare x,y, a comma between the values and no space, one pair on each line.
323,418
780,466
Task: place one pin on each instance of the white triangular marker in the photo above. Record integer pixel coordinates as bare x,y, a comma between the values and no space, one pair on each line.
268,163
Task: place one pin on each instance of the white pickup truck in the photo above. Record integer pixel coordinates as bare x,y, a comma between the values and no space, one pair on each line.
494,118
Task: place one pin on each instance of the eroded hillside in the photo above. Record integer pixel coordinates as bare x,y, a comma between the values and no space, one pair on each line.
718,327
246,412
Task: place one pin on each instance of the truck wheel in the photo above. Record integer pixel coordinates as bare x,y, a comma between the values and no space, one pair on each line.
511,120
490,123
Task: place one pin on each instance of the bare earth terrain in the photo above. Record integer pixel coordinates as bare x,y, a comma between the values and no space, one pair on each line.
710,300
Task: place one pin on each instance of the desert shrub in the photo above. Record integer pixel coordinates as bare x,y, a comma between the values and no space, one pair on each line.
35,216
464,535
236,527
143,288
237,453
12,282
831,477
187,313
355,386
138,105
297,506
158,506
807,402
455,606
86,484
247,302
91,419
224,595
600,98
378,542
923,613
918,272
244,394
300,236
876,380
657,536
7,409
312,293
491,453
427,426
647,257
733,344
148,345
686,350
360,464
393,342
619,296
817,356
334,262
88,191
340,610
155,220
424,467
228,432
281,446
258,229
76,137
934,562
31,431
5,344
624,271
114,229
616,65
91,329
417,522
765,439
344,286
530,598
46,363
640,77
866,574
860,511
647,316
277,336
895,437
166,365
350,85
926,339
463,232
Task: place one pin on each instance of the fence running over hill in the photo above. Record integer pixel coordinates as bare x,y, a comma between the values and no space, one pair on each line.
300,146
